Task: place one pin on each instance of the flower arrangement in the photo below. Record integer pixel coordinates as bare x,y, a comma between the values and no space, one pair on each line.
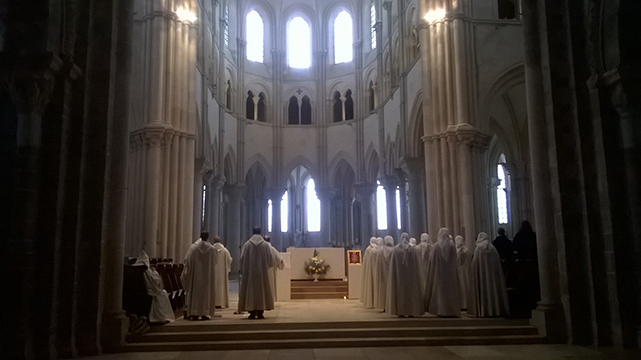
316,265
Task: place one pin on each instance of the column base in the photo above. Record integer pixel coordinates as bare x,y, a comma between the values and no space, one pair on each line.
550,321
115,327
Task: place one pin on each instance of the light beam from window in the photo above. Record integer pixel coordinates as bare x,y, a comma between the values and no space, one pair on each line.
299,39
501,195
255,37
284,212
343,38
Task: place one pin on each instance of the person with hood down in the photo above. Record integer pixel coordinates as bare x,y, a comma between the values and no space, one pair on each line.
442,292
488,296
404,297
382,272
198,278
367,283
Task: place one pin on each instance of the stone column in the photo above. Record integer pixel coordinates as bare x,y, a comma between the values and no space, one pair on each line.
114,322
325,195
549,316
234,195
414,169
466,140
402,188
349,221
390,183
215,185
365,195
276,194
152,137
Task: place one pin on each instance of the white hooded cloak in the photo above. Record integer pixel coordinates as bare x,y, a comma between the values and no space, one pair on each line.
161,310
441,293
221,275
404,297
424,249
488,295
382,272
367,277
256,262
464,268
198,279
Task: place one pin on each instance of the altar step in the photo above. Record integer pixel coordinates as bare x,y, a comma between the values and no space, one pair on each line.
321,289
393,332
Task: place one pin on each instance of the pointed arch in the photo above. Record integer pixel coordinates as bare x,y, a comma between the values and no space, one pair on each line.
306,111
416,127
373,163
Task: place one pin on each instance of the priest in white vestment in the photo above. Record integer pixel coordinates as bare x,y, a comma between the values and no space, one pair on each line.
404,297
221,274
464,268
257,259
367,277
375,263
280,265
198,278
161,311
382,272
488,295
442,293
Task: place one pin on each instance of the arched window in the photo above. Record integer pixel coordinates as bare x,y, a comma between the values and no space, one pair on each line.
299,48
372,14
349,105
381,207
372,96
261,107
293,110
338,107
507,9
250,105
270,210
202,218
502,191
255,36
343,38
226,31
228,95
284,212
306,111
313,206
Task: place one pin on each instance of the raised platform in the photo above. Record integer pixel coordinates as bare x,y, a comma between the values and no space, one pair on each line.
321,289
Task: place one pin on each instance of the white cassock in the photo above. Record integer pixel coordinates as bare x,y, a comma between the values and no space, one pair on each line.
161,310
441,292
221,275
198,279
404,297
382,272
464,268
279,265
424,249
367,276
256,262
488,295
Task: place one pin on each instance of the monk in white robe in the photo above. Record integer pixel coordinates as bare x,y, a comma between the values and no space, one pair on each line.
413,242
424,249
161,311
382,272
280,265
367,277
256,262
488,295
198,278
441,293
375,263
221,274
464,259
404,297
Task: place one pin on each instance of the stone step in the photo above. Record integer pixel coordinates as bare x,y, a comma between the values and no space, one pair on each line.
330,343
391,324
318,295
320,289
366,332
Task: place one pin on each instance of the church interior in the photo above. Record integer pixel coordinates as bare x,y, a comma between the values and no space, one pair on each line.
133,125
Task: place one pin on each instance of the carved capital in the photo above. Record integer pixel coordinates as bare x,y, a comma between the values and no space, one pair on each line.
153,135
365,191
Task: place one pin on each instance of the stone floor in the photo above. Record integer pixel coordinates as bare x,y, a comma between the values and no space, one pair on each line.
543,352
352,310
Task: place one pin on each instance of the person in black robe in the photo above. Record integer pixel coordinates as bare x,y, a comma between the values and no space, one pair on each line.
503,245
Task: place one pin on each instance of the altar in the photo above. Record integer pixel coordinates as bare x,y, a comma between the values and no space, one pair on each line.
334,257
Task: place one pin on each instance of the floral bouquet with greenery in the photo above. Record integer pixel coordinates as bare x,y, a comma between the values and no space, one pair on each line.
316,265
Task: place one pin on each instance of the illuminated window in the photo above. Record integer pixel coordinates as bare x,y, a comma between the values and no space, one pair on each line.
202,218
313,207
283,214
299,48
255,37
343,38
269,215
501,193
372,13
381,207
